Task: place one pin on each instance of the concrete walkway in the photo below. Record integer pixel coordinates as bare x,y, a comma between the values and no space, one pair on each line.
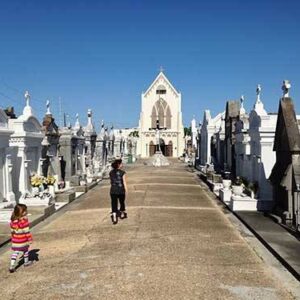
175,244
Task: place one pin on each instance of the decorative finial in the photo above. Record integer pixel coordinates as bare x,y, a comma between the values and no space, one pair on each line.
102,124
48,112
285,88
161,69
27,98
89,113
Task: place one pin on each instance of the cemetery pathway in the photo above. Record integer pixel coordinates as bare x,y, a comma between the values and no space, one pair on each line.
176,244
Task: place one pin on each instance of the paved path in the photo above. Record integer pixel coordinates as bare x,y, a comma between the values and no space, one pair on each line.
176,244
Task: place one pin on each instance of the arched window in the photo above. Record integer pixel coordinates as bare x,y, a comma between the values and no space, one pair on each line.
153,117
161,115
168,118
161,111
161,90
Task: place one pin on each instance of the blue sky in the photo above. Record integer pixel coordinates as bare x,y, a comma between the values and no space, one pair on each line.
103,54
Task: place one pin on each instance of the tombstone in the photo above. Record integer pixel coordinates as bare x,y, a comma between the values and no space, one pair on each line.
111,144
51,161
117,143
219,144
285,176
262,128
194,133
7,196
90,146
242,143
72,153
208,129
231,117
100,151
26,148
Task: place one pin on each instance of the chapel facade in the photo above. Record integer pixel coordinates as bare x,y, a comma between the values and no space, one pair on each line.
161,107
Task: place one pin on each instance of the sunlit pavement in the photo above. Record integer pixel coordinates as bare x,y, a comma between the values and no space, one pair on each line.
175,244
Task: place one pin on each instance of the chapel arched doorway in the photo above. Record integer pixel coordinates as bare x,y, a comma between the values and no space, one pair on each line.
151,148
169,149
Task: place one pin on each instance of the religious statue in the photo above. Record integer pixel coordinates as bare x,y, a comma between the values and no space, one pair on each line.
27,98
48,107
285,88
258,91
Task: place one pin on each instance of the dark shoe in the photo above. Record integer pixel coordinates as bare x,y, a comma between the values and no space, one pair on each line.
114,218
12,269
28,264
123,215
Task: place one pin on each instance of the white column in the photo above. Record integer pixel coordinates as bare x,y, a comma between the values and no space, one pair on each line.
10,196
24,177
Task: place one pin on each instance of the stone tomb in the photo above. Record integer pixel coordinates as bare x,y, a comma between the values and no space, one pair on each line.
7,196
25,143
72,144
90,136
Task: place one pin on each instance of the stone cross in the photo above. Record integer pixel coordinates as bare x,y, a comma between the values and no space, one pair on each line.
285,88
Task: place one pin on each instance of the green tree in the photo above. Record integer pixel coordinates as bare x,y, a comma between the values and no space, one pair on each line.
134,133
187,131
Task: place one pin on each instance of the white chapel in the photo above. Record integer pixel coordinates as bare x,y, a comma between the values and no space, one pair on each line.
161,104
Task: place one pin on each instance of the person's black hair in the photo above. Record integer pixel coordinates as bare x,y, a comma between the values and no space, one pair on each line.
115,165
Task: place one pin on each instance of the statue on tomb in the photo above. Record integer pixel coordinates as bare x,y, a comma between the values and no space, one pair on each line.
27,98
27,111
48,112
242,100
242,109
258,91
285,88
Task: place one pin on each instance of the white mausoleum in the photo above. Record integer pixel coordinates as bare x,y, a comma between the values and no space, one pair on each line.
161,103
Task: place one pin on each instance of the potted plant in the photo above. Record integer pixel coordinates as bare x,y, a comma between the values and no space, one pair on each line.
238,186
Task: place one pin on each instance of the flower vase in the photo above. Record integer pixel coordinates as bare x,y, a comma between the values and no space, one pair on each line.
51,190
237,190
226,184
35,191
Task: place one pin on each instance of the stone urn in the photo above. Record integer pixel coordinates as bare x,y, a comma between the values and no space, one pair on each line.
237,190
226,184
